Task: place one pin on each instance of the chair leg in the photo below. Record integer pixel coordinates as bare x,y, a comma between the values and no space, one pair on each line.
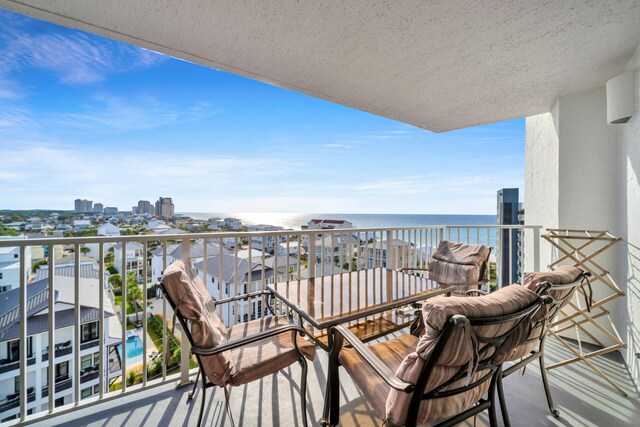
226,401
547,390
204,401
503,403
493,419
193,390
303,390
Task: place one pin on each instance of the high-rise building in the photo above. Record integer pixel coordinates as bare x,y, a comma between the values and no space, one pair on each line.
98,208
83,205
145,207
508,240
165,208
110,210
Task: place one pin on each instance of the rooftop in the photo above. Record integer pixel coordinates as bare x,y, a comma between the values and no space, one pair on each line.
37,301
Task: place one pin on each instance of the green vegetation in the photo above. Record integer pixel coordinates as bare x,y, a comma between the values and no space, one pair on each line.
21,215
134,295
37,264
108,259
130,309
85,233
155,331
131,232
4,231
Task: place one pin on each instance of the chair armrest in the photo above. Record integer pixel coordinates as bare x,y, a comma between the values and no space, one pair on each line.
413,269
476,291
239,297
372,360
478,283
247,340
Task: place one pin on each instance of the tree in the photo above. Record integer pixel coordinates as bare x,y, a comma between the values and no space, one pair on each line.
115,280
37,264
131,378
4,231
176,356
134,295
108,258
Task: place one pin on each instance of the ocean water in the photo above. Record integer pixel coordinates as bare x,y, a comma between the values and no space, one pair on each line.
294,221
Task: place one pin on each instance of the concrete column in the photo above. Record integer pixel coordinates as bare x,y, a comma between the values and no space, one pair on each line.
571,173
629,213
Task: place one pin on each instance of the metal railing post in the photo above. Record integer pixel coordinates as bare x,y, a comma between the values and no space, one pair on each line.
22,351
311,258
390,260
185,348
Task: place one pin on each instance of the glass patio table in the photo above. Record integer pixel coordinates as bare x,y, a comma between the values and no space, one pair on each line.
369,301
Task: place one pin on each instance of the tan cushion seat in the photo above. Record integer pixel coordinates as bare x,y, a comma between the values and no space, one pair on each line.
406,355
436,312
254,361
238,366
391,353
194,303
459,264
563,275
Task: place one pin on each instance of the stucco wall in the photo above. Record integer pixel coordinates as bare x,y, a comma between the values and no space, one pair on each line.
583,173
629,142
541,179
588,153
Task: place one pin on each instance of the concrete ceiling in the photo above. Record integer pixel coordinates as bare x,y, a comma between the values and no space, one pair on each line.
438,65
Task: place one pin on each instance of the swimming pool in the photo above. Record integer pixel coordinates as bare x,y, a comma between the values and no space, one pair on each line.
134,349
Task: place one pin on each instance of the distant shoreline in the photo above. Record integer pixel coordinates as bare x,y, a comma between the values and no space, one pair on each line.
296,220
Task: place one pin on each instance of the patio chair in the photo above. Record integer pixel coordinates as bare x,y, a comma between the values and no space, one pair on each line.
559,285
460,264
238,355
442,375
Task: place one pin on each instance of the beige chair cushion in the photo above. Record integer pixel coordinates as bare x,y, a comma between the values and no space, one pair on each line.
195,304
458,350
461,253
392,353
563,275
255,361
458,263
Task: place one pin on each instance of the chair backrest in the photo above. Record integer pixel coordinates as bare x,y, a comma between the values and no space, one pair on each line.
560,285
194,308
465,342
459,263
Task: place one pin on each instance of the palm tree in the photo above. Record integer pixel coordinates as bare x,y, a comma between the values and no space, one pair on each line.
115,280
134,295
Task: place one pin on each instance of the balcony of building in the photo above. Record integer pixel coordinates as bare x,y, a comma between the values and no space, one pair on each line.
149,394
436,65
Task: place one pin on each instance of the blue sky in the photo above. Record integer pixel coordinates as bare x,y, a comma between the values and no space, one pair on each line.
82,116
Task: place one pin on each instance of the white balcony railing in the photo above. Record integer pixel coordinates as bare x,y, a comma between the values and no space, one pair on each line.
117,356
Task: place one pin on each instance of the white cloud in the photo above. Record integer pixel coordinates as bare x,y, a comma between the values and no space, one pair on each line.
9,88
48,175
75,59
135,113
337,146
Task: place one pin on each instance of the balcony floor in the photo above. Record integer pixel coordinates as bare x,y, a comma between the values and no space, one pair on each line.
584,399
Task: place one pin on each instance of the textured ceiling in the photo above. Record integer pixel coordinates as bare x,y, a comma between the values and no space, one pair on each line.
439,65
